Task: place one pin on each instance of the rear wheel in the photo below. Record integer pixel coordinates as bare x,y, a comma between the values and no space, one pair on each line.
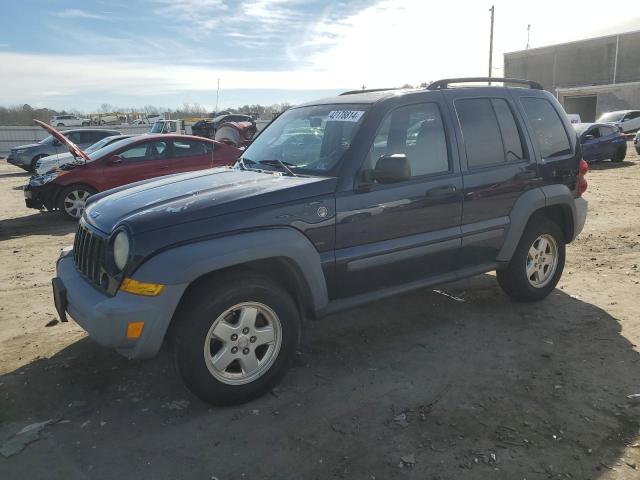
621,152
85,124
234,339
73,199
537,263
60,125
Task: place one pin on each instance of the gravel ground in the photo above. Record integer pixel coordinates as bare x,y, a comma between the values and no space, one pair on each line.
457,382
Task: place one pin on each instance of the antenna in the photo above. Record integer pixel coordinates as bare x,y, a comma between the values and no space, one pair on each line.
492,10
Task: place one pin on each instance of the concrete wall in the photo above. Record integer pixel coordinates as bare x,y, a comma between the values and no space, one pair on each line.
607,68
587,62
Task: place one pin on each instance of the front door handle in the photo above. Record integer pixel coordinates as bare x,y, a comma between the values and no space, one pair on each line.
443,191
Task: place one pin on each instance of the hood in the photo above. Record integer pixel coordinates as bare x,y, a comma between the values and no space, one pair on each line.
192,196
25,147
73,148
53,161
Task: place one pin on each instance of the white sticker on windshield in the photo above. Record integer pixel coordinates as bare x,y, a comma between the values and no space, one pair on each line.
344,115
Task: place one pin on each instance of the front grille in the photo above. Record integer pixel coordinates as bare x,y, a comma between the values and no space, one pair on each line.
88,253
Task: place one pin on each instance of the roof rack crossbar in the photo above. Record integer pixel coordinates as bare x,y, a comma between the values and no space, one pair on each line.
354,92
443,84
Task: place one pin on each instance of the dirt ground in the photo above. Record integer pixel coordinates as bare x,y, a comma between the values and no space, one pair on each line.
453,383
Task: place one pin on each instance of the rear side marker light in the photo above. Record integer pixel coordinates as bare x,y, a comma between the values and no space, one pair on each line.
135,287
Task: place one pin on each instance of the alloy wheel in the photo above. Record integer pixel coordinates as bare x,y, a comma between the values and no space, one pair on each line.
74,202
542,260
242,343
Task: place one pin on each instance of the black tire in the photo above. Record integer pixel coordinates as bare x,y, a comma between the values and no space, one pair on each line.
60,125
34,160
514,279
63,195
621,152
198,314
85,124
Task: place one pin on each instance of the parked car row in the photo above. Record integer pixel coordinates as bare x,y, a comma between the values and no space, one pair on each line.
118,161
27,156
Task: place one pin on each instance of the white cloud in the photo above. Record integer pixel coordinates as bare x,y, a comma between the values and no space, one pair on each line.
77,13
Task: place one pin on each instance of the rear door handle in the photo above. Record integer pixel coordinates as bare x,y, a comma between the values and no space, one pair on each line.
443,191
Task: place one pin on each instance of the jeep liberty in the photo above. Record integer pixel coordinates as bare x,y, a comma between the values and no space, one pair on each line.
338,202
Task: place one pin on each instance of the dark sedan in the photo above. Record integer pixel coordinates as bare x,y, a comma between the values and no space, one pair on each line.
601,141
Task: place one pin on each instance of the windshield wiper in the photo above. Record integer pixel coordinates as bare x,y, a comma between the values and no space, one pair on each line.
284,165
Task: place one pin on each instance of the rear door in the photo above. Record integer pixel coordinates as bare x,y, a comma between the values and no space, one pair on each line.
189,155
591,146
139,162
498,165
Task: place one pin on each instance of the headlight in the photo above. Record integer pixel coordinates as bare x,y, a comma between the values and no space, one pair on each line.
39,180
121,249
18,152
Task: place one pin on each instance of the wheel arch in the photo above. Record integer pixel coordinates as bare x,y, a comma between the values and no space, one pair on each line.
555,202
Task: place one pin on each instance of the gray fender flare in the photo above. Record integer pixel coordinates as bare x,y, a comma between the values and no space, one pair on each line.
185,263
526,205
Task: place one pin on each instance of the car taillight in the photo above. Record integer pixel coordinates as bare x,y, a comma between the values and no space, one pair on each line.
581,185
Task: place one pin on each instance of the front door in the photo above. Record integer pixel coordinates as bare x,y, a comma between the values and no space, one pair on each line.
394,234
139,162
189,155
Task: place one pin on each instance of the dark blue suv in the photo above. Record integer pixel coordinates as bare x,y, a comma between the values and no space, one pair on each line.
336,203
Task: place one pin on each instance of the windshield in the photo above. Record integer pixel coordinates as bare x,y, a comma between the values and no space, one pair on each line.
611,117
157,127
99,144
49,140
308,138
580,128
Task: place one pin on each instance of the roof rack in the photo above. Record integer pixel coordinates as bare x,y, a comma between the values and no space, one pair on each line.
354,92
443,84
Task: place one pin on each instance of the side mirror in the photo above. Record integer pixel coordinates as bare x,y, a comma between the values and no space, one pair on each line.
114,160
586,138
392,168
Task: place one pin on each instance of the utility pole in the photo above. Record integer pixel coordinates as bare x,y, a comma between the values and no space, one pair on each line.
492,10
217,96
528,29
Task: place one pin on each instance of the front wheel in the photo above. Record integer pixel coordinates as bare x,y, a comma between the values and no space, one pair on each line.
234,339
73,199
537,263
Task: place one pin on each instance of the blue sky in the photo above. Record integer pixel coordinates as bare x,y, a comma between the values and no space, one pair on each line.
81,54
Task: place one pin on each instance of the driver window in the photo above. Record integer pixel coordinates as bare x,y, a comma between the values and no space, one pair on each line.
417,131
146,151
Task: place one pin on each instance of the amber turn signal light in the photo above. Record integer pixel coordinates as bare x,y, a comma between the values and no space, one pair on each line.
130,285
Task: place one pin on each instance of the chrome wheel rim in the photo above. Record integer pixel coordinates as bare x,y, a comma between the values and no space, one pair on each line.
74,202
243,343
542,260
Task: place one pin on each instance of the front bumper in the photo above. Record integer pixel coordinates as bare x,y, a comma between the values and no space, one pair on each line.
106,318
41,197
582,206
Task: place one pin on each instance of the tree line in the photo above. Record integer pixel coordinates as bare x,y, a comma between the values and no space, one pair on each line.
24,115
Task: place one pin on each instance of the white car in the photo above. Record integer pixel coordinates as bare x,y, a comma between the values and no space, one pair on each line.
69,121
627,120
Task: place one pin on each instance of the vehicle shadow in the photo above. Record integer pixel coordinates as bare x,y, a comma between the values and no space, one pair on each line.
447,383
40,223
15,174
609,165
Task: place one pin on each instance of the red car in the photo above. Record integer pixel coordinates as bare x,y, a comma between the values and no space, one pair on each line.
126,161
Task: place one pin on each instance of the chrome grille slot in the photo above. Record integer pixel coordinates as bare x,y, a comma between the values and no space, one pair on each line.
88,253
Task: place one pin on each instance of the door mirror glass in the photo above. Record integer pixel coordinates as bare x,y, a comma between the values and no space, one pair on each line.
587,138
392,169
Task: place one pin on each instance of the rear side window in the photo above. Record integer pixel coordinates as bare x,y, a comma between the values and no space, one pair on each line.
489,130
188,148
547,127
